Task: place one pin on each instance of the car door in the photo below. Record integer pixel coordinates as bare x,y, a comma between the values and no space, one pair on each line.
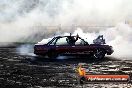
62,46
80,46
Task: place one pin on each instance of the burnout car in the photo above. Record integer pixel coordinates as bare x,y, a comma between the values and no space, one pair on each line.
73,45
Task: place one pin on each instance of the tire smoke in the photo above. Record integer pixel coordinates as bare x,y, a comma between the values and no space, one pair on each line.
120,37
32,20
20,20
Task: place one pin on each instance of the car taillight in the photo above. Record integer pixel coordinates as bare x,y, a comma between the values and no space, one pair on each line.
111,47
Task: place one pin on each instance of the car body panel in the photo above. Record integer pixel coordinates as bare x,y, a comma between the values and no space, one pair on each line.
64,48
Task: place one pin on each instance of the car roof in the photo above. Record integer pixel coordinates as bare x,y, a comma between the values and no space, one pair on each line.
64,36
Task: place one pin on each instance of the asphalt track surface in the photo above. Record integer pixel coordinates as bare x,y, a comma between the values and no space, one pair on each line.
28,71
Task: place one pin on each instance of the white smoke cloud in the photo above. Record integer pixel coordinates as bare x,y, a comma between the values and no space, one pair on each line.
20,19
119,37
66,12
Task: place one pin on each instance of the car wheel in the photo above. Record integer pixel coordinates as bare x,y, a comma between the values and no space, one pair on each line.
52,54
99,54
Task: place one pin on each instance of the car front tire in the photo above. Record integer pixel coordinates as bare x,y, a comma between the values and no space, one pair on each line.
52,54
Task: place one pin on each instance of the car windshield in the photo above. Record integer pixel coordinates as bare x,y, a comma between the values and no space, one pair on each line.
67,41
45,41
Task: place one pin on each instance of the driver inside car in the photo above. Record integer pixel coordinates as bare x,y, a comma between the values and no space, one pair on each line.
71,40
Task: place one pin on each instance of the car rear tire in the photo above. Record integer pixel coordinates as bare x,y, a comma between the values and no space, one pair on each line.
99,54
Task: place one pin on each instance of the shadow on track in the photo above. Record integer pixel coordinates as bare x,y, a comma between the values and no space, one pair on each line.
67,59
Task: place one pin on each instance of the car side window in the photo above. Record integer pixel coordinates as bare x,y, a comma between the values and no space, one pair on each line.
62,41
79,42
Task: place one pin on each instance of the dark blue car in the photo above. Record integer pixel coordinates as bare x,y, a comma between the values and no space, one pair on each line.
73,45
